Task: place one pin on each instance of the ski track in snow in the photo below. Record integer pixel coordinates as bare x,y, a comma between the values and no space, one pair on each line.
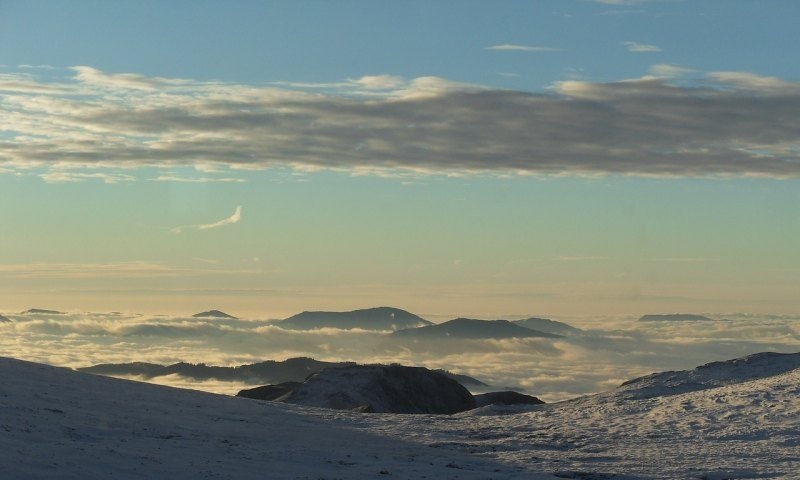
55,423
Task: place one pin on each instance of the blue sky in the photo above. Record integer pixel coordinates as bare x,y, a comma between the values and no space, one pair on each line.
564,157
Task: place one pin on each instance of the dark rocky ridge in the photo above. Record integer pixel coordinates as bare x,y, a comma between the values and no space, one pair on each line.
270,371
379,318
507,397
384,389
4,319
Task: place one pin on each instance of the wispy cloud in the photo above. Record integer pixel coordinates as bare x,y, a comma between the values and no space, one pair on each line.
521,48
640,47
235,218
73,177
666,70
178,179
723,124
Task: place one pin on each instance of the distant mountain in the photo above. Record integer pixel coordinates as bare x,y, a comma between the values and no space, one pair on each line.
675,317
40,311
374,388
380,318
270,371
467,328
710,375
213,314
547,326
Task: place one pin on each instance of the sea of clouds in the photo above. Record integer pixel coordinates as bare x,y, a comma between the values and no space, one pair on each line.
607,352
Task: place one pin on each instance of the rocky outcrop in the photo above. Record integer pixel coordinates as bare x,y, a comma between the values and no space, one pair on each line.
377,388
506,398
269,392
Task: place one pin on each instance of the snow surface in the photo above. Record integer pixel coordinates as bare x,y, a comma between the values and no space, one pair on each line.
58,423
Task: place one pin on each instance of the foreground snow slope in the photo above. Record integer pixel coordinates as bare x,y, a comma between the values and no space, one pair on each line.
61,424
749,429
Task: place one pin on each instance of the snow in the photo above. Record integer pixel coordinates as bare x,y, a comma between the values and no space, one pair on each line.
58,423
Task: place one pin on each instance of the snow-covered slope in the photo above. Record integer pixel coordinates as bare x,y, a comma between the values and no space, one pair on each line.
55,423
715,374
60,424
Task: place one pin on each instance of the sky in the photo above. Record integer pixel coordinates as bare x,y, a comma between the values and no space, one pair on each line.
449,158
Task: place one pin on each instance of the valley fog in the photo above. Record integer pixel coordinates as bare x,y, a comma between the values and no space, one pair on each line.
604,352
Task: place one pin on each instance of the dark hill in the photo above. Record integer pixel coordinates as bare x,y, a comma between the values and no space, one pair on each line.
380,318
675,317
547,326
41,311
271,371
377,388
213,314
4,319
467,328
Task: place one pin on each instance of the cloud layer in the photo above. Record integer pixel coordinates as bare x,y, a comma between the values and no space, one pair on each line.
723,123
609,351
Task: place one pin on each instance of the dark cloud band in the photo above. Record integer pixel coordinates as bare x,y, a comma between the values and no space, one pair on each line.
734,124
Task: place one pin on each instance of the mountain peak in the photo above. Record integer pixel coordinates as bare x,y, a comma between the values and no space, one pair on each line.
213,314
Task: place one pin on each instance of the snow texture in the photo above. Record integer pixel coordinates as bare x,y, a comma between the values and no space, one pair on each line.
58,423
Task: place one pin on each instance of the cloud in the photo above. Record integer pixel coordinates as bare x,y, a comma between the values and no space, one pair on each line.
640,47
178,179
235,218
722,124
666,70
73,177
610,350
509,47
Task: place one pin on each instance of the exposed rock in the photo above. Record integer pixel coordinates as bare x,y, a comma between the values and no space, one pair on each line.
380,318
4,319
269,392
383,389
506,398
